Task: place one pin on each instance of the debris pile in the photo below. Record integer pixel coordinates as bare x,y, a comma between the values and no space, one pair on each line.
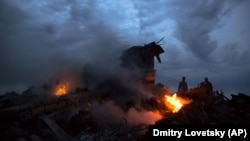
69,117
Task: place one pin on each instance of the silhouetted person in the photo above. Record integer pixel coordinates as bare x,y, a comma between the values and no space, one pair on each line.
182,88
207,85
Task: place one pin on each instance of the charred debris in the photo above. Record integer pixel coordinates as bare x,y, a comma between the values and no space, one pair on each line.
52,113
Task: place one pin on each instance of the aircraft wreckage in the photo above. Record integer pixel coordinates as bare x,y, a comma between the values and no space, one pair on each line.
52,112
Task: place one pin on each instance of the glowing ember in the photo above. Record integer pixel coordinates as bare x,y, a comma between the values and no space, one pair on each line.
175,103
61,90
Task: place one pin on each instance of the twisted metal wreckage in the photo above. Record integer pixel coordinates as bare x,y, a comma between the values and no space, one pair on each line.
38,117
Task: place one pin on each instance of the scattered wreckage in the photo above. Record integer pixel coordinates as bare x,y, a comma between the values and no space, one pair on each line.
68,116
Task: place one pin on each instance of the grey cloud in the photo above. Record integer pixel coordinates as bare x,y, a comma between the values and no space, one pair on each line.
195,20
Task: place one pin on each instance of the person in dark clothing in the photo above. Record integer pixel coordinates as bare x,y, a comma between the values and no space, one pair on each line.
207,85
183,87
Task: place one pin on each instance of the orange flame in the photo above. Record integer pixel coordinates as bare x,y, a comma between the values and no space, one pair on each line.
175,103
61,90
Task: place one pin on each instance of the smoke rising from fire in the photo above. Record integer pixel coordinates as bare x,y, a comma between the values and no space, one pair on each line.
34,50
42,40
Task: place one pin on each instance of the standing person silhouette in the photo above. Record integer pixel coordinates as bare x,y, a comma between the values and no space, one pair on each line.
207,85
183,87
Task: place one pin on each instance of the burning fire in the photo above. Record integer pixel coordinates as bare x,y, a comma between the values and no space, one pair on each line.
63,85
61,90
175,103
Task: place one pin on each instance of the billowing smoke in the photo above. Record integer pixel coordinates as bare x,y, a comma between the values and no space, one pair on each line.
40,40
35,49
80,46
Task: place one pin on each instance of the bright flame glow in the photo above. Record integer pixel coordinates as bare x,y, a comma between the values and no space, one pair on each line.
175,103
61,90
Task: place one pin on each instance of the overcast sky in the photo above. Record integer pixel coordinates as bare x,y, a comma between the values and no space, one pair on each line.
211,38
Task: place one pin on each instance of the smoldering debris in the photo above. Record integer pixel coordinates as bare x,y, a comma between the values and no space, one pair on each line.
118,106
82,117
33,115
